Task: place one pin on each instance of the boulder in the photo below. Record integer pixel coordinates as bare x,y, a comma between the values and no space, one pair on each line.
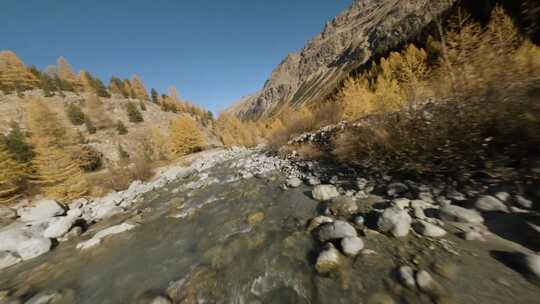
294,182
7,213
406,276
359,221
42,210
396,221
361,183
314,181
8,258
97,238
343,206
78,203
315,222
59,227
473,236
324,192
401,202
429,230
71,234
425,281
329,260
452,213
489,203
335,231
106,210
532,262
33,247
351,246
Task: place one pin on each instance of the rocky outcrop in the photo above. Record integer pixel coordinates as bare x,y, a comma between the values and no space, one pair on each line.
347,42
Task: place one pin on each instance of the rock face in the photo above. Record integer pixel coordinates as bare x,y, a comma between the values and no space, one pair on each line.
396,221
347,42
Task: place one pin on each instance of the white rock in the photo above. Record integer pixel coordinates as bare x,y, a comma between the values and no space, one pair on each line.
453,213
43,209
97,238
352,245
533,264
313,181
396,221
421,204
523,202
406,275
425,281
324,192
361,183
474,236
502,196
8,259
78,203
489,203
294,182
60,227
329,260
343,206
401,202
34,247
429,230
335,231
106,210
419,213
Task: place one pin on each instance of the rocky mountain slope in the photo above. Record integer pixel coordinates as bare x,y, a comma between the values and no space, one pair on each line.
106,140
347,42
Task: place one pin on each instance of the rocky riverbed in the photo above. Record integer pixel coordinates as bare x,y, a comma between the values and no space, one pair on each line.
240,226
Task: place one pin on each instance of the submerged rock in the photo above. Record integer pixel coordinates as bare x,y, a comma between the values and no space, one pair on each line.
329,260
324,192
294,182
335,231
97,238
8,259
256,217
396,221
453,213
406,276
343,206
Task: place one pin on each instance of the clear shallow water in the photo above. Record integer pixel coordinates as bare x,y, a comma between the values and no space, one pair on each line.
223,258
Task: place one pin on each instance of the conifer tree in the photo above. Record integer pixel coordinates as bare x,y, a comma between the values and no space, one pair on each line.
45,124
127,90
68,78
14,75
57,174
138,88
134,114
185,136
155,96
17,145
11,176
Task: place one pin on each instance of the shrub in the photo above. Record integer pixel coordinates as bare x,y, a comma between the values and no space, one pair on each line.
122,154
89,125
121,128
17,145
11,176
133,113
75,114
142,105
89,158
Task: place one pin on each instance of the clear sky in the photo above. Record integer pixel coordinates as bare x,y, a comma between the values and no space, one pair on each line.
213,51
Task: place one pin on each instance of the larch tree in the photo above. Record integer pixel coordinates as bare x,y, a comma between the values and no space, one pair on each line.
14,75
127,89
185,136
57,174
138,88
65,73
160,145
11,175
86,81
155,96
55,170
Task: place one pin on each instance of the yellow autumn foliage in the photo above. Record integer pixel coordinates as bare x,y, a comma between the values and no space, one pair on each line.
11,176
185,136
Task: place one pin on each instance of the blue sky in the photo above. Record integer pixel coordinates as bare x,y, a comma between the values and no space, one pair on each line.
213,51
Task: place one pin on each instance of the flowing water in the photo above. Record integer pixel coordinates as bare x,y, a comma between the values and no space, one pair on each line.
235,242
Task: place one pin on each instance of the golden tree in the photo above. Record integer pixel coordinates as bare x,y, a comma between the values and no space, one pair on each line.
233,132
13,73
65,72
127,89
355,98
185,136
138,88
159,144
44,123
86,81
11,176
57,174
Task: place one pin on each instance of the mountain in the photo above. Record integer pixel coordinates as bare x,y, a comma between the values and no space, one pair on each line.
366,28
